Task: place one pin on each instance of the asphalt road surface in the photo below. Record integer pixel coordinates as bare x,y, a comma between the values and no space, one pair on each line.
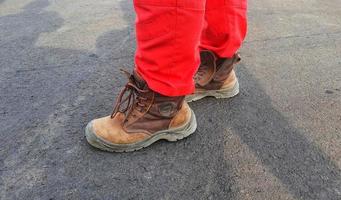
279,139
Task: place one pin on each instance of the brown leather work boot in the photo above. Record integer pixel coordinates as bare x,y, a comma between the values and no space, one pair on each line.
215,77
141,117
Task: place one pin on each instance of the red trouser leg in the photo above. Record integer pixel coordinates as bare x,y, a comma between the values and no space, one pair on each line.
168,36
225,26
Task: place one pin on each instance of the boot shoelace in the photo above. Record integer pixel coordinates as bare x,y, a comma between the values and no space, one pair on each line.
200,73
134,99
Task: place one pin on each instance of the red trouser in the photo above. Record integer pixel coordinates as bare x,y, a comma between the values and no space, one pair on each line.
170,33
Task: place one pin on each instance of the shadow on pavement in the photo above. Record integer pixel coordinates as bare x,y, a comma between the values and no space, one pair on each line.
300,165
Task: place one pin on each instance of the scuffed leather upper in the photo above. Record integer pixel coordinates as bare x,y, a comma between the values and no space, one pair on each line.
152,113
214,71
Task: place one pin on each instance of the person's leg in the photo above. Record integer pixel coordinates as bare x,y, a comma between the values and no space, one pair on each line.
225,26
168,37
151,106
223,33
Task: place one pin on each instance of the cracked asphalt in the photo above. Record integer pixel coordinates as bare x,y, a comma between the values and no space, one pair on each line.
280,138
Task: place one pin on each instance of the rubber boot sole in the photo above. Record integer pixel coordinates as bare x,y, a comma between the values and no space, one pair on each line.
222,93
171,135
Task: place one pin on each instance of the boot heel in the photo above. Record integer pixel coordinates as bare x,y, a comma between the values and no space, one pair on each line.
219,94
226,93
182,132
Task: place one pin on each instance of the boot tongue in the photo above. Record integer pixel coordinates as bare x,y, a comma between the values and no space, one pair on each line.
140,83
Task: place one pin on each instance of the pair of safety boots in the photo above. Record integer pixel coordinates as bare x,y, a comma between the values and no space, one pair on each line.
142,116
